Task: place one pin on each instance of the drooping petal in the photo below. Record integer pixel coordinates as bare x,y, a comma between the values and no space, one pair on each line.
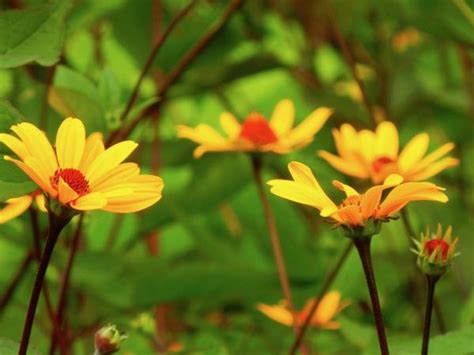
109,159
70,141
93,148
44,185
349,191
306,130
413,151
38,146
283,117
351,168
408,192
15,145
386,140
65,193
92,201
15,207
230,125
278,313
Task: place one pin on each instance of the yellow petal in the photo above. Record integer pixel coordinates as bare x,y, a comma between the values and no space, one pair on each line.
349,191
351,215
15,145
366,144
38,146
92,201
70,141
277,313
408,192
93,148
297,192
41,202
230,125
237,146
33,175
327,308
351,168
282,117
119,174
306,130
413,151
433,169
109,159
65,193
349,136
371,199
386,140
202,134
15,207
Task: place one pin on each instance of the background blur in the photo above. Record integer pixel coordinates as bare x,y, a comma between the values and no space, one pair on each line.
196,264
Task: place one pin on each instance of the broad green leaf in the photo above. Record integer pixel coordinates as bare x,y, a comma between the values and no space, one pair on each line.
32,35
10,347
13,183
8,117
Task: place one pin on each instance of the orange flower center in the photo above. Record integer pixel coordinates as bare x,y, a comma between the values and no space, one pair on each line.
257,130
353,200
73,178
432,244
381,163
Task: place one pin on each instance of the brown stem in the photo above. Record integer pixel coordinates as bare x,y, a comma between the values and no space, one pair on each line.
56,225
431,282
20,273
363,248
275,241
324,289
348,56
179,69
60,337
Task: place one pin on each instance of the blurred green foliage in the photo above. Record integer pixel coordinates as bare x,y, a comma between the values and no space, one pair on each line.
214,262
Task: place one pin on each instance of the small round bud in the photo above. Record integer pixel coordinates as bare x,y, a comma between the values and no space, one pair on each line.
108,339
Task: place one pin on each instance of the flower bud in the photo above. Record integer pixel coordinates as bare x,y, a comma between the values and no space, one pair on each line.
435,252
108,340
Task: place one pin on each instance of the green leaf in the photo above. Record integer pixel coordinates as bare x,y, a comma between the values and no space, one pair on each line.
13,182
32,35
8,116
10,347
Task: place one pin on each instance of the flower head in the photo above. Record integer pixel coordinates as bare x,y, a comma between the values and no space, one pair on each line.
358,214
256,134
374,155
436,251
17,205
329,306
80,173
108,339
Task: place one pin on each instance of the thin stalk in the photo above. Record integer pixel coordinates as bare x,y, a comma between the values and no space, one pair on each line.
275,241
56,225
363,248
431,282
61,308
324,289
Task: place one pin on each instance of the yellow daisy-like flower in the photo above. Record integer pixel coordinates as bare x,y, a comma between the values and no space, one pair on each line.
375,155
80,173
356,210
329,306
257,134
17,205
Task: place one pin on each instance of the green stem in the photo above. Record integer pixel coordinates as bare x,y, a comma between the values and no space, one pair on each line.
363,247
56,225
431,282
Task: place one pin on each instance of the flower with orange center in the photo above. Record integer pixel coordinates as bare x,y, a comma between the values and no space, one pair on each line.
80,173
375,155
329,306
436,251
17,205
256,134
358,214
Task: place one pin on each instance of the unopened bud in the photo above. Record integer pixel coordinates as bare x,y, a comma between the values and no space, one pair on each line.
108,340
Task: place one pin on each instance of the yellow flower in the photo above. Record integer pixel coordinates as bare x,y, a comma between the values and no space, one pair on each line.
80,173
356,209
374,155
257,134
329,306
17,205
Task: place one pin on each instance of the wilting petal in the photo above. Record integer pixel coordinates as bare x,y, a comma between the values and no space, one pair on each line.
282,117
230,125
386,140
15,145
38,146
92,201
413,151
93,148
109,159
15,207
70,141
